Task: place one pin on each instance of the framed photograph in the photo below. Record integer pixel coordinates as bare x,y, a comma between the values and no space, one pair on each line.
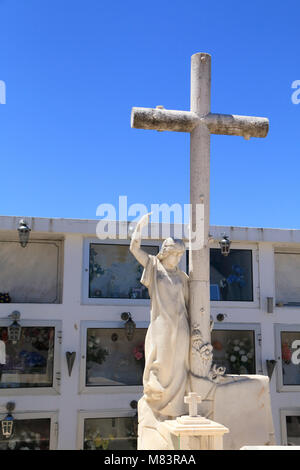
288,370
107,430
237,347
234,278
32,431
33,275
287,280
112,274
290,426
31,366
110,363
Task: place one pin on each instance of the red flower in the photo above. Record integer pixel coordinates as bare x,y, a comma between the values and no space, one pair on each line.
217,346
139,352
138,355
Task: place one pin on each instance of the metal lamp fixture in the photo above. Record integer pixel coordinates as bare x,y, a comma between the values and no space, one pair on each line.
225,245
130,325
24,232
7,424
14,330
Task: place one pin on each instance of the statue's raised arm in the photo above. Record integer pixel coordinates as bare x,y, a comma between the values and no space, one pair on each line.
136,238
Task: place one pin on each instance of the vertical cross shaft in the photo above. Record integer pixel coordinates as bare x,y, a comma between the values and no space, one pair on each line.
199,194
200,123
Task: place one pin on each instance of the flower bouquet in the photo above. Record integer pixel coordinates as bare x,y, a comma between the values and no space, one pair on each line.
240,355
94,441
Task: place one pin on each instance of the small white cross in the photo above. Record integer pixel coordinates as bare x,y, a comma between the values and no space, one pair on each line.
192,400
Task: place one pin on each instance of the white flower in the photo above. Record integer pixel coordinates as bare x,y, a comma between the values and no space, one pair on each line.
236,348
242,352
250,355
236,341
244,359
232,358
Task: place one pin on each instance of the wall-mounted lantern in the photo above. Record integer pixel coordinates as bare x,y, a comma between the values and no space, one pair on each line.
271,363
14,330
24,232
130,325
7,424
225,245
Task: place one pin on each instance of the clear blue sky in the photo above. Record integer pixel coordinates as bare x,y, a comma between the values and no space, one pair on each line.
73,70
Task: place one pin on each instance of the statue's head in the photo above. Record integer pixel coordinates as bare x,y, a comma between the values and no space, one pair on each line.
171,251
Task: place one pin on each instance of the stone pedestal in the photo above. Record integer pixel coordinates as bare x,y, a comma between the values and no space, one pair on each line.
195,433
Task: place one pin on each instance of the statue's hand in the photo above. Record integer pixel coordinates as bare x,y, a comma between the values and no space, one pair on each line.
153,390
144,221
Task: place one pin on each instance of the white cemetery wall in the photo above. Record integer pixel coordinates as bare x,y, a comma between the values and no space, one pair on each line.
70,404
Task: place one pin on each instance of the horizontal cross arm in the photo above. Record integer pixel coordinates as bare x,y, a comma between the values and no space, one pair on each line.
161,119
229,124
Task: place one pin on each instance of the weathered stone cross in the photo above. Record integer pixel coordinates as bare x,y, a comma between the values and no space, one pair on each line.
200,123
192,400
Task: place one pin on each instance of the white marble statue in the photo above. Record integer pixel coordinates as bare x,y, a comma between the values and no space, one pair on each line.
167,340
168,336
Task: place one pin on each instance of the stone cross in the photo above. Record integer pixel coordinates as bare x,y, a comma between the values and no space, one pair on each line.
200,123
192,400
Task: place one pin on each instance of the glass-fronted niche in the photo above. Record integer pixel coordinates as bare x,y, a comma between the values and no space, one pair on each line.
110,359
30,365
32,274
290,426
111,272
31,431
288,354
115,430
237,348
232,276
287,278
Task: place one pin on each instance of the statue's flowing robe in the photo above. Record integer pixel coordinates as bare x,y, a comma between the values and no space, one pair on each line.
167,339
